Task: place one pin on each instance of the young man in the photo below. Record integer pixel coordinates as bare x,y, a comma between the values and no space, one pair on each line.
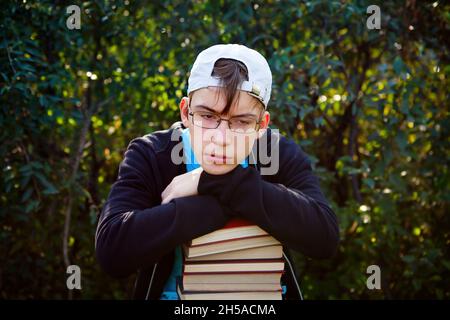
156,205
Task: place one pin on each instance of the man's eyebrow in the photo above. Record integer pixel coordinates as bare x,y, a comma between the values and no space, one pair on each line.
245,115
204,107
214,111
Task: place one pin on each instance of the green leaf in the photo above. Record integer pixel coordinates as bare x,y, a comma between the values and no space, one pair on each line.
49,187
25,179
398,65
401,140
43,101
369,182
32,205
27,194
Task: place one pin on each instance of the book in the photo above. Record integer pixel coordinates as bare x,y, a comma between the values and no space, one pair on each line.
234,229
239,261
227,287
229,245
237,295
234,266
232,277
268,252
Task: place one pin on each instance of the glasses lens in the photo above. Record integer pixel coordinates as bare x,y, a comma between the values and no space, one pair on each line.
243,125
206,120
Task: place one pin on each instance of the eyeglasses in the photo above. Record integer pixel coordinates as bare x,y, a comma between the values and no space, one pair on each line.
210,120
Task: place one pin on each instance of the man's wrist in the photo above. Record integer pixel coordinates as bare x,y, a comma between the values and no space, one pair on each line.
220,186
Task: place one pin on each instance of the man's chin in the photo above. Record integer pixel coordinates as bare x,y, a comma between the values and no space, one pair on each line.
217,169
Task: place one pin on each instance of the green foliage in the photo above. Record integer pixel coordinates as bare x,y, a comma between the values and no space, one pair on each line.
369,106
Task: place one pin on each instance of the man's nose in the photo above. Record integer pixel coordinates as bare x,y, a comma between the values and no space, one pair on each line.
221,135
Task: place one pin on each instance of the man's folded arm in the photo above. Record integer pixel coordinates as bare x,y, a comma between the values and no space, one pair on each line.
135,230
295,212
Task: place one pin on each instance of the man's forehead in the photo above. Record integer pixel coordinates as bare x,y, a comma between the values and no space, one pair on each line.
212,98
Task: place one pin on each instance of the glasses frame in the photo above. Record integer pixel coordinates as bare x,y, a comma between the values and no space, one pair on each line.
191,113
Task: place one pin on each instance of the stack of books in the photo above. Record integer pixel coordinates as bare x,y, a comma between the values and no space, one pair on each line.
239,261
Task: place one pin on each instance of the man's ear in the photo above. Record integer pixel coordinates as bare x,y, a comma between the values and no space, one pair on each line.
265,120
184,105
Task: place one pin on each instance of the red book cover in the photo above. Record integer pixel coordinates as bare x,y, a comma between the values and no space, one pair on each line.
237,222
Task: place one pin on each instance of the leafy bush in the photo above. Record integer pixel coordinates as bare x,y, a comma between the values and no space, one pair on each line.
369,106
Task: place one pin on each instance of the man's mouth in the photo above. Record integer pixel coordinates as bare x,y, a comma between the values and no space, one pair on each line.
217,159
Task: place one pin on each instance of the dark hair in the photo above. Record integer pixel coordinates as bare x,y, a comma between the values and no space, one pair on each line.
231,73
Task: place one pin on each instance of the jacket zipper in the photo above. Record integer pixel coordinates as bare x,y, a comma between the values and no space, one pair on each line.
151,281
299,291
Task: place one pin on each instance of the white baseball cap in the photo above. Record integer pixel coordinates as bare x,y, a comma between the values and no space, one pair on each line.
259,82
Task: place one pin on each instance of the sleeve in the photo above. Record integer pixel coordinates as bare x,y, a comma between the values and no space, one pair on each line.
293,211
135,230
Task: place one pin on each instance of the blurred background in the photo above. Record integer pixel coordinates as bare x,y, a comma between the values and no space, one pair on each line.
370,107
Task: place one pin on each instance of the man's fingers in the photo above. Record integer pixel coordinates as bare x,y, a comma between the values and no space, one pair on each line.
166,192
164,196
167,198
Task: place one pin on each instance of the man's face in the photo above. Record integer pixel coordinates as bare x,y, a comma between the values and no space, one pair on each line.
219,150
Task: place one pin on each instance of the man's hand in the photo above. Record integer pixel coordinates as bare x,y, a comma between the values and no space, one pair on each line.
182,186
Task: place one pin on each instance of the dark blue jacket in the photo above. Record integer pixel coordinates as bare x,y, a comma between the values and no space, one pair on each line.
135,233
